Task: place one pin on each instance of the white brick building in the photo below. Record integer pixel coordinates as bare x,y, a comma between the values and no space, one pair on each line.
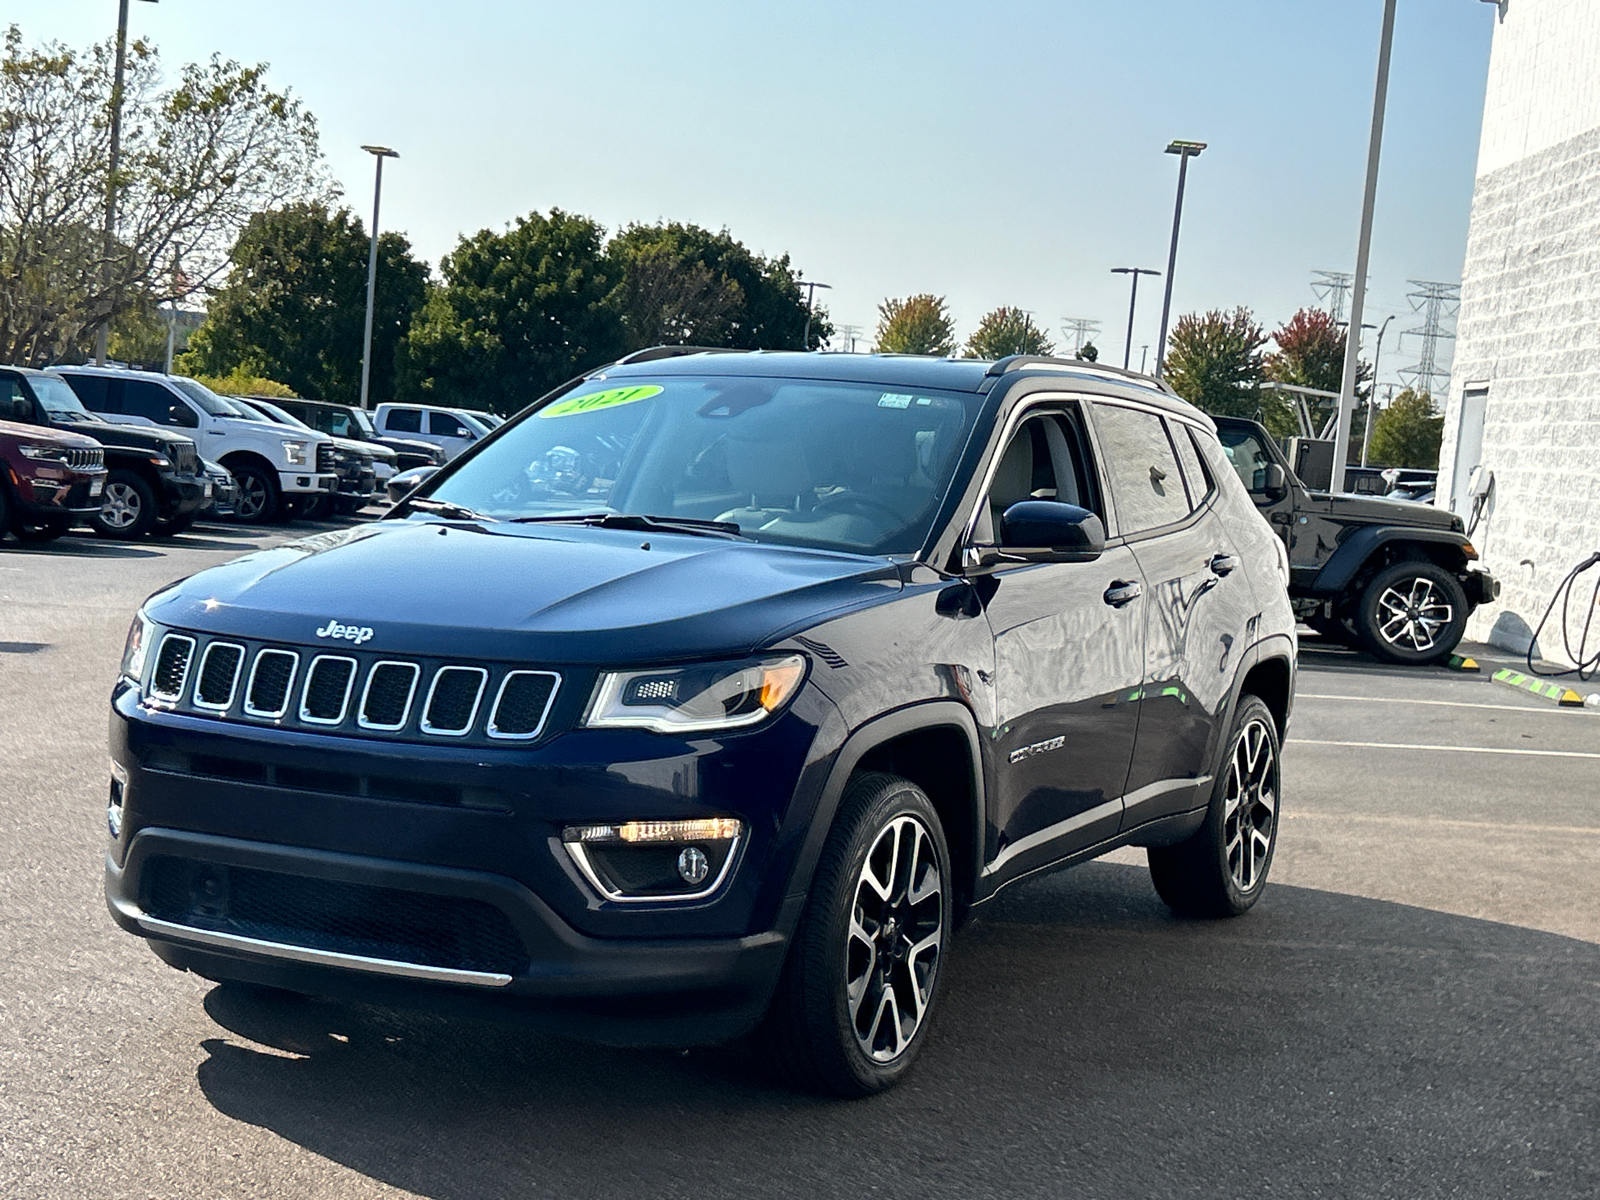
1524,397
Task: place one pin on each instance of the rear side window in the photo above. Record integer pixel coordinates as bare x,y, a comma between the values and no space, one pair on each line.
155,403
404,420
1146,484
1195,473
444,425
91,389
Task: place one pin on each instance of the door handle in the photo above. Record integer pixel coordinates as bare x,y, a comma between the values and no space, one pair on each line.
1224,564
1122,592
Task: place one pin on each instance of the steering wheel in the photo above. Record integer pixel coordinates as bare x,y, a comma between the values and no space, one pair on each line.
860,501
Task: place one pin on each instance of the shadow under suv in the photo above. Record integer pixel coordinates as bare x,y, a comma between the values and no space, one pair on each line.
707,696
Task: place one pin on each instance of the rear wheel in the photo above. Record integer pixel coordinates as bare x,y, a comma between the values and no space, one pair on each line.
1222,868
1413,613
852,1008
127,509
259,498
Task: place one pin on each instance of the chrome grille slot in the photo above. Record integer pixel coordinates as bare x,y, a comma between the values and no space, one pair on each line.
386,699
219,676
453,698
172,667
324,456
185,460
521,705
270,680
327,692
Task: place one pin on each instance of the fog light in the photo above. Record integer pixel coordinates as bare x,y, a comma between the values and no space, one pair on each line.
119,781
648,860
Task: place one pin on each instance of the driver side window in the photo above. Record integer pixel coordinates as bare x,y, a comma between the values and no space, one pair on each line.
1044,460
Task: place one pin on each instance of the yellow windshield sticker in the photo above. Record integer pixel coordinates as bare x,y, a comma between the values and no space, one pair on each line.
610,398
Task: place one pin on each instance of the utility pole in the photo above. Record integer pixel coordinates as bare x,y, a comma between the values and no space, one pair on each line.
811,294
1133,303
172,303
379,153
848,334
1358,290
1185,151
1144,358
103,335
1438,303
1372,401
1080,330
1332,288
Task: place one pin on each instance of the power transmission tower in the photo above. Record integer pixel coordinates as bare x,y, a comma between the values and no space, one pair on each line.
1333,289
847,335
1438,303
1080,330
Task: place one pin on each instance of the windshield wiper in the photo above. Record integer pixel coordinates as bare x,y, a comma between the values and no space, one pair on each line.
443,508
639,521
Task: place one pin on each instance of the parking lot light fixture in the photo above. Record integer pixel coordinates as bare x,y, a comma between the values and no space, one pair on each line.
1133,303
1185,151
379,153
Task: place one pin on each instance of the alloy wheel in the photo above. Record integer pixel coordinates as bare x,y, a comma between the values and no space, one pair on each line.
252,497
1250,805
121,507
896,936
1411,614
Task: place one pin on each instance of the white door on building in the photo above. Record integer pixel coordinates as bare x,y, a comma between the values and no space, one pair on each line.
1469,445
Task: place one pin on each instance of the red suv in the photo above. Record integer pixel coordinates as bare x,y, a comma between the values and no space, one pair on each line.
52,480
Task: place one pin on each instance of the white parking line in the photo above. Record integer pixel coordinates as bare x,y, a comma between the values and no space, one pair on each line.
1527,708
1444,749
1437,822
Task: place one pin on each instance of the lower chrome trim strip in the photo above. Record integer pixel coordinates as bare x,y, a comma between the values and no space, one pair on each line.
321,958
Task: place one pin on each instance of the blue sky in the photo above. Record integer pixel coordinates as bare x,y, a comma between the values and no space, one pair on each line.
1006,152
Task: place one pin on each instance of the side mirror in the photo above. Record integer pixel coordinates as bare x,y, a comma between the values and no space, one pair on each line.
1275,483
1043,531
403,484
22,410
180,415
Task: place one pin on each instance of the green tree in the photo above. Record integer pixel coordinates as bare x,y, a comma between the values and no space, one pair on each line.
198,159
1088,352
1214,361
1407,433
668,293
294,305
919,324
1007,331
518,312
1310,353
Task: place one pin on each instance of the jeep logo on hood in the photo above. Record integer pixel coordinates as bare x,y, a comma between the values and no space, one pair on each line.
358,634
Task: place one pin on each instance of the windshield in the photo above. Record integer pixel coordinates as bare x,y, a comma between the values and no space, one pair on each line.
837,465
249,412
59,399
273,412
212,403
361,420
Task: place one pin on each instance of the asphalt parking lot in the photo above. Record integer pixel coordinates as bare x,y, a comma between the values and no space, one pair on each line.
1413,1010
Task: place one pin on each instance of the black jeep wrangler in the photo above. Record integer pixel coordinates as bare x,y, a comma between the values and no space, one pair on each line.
1387,576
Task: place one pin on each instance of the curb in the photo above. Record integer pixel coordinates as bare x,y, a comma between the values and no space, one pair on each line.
1564,697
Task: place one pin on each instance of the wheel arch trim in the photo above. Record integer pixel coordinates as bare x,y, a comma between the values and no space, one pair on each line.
1354,552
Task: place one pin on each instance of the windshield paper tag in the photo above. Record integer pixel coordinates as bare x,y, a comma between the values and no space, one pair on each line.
891,400
610,398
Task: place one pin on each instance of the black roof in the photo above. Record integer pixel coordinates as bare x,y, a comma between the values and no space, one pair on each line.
890,370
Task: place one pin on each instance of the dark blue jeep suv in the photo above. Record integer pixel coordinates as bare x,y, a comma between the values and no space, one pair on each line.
709,695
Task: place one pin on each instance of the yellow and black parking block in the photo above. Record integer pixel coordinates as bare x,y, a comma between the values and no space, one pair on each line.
1534,686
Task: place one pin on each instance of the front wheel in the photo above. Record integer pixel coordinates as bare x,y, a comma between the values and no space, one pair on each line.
852,1009
259,497
127,507
1413,613
1222,868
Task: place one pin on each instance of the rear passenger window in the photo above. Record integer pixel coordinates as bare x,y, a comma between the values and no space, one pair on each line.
1195,473
404,420
1146,484
155,403
91,389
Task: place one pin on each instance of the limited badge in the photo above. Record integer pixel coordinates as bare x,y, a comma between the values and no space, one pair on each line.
594,401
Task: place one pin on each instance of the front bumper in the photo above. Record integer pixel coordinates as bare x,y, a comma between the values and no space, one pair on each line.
181,495
1481,587
71,495
308,483
665,992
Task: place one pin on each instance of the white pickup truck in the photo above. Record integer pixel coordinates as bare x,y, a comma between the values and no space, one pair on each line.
279,470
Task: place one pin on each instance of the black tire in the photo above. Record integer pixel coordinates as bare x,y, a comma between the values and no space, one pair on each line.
175,526
1413,613
1221,869
127,507
260,500
44,531
838,968
5,513
314,508
1335,630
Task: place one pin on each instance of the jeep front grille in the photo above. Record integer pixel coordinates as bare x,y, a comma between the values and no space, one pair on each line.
185,460
86,459
357,693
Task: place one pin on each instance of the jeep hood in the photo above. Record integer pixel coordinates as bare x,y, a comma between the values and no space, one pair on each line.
128,437
536,593
1374,510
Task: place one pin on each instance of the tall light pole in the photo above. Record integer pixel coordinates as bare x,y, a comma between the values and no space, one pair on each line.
1358,287
1185,151
1372,403
811,294
379,153
103,334
1133,303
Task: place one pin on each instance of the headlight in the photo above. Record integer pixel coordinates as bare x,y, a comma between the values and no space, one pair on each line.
294,453
696,699
140,635
43,453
